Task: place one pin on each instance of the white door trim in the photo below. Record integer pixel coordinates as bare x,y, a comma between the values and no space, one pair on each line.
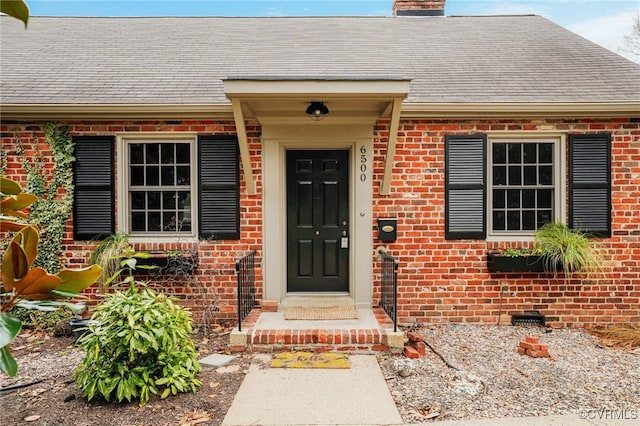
276,139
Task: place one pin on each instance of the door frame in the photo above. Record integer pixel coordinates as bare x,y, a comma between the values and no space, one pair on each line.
276,140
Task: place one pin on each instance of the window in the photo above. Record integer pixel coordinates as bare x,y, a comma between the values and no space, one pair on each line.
160,191
511,185
523,185
168,186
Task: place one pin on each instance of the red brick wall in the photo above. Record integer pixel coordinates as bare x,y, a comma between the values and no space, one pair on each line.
447,281
439,280
212,293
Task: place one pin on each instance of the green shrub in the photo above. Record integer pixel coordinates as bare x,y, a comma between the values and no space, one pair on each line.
41,320
138,344
108,254
575,250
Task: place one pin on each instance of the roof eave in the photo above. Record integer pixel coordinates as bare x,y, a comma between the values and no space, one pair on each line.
442,110
451,110
24,112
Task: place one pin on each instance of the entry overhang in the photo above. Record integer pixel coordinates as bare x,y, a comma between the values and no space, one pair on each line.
284,101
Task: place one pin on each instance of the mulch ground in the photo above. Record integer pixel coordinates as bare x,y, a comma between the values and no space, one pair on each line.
56,401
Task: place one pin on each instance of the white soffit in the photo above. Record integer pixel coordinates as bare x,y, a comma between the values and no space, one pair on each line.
285,101
255,88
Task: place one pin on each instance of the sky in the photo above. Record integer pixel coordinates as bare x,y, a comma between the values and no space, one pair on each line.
605,22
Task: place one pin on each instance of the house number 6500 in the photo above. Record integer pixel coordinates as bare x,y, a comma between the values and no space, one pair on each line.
363,163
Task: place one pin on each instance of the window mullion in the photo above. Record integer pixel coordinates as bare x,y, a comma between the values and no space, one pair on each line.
159,215
527,165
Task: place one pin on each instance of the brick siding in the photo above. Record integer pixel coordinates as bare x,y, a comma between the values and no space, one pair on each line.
439,280
448,281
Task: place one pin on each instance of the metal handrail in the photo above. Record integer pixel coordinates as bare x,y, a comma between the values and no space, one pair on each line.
246,271
389,286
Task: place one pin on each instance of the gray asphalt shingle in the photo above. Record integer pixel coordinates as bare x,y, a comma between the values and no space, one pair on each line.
178,60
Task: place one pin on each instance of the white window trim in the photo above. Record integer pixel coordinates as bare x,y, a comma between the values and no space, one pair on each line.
122,177
560,177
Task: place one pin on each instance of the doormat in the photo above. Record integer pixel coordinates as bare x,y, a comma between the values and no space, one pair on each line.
332,313
310,360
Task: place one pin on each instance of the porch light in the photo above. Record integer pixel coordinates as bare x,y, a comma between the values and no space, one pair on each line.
317,110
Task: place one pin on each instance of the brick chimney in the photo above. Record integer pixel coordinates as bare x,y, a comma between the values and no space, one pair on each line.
418,7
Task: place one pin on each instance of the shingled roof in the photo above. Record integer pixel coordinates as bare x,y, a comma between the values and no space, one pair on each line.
183,60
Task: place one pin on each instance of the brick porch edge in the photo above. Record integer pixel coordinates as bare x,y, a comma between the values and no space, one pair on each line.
317,340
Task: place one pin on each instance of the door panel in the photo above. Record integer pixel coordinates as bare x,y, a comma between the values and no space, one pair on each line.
317,220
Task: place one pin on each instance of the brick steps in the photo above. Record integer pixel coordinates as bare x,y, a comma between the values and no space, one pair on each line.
352,340
320,340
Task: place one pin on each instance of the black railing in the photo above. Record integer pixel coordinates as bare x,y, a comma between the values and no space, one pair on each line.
246,271
389,287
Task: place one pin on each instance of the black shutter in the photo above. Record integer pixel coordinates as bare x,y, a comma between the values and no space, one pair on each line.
590,183
465,191
93,197
219,187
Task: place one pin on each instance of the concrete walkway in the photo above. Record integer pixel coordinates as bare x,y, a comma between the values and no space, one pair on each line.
357,396
298,396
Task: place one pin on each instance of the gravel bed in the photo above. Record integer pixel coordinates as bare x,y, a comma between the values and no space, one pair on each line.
492,380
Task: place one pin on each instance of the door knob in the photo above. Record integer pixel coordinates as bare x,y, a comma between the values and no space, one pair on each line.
317,232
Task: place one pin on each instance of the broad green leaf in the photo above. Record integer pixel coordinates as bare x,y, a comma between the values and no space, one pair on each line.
11,214
144,394
113,277
76,280
65,294
7,364
147,267
16,8
36,282
90,390
7,186
12,205
30,240
9,225
111,385
131,263
14,265
120,390
9,328
40,305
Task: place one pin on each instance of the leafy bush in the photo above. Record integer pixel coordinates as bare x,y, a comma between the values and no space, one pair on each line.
563,248
108,254
41,320
138,344
573,249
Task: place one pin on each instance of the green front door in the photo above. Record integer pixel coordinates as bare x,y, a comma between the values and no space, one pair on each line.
318,221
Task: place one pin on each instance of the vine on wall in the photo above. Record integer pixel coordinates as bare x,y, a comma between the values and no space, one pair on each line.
55,190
